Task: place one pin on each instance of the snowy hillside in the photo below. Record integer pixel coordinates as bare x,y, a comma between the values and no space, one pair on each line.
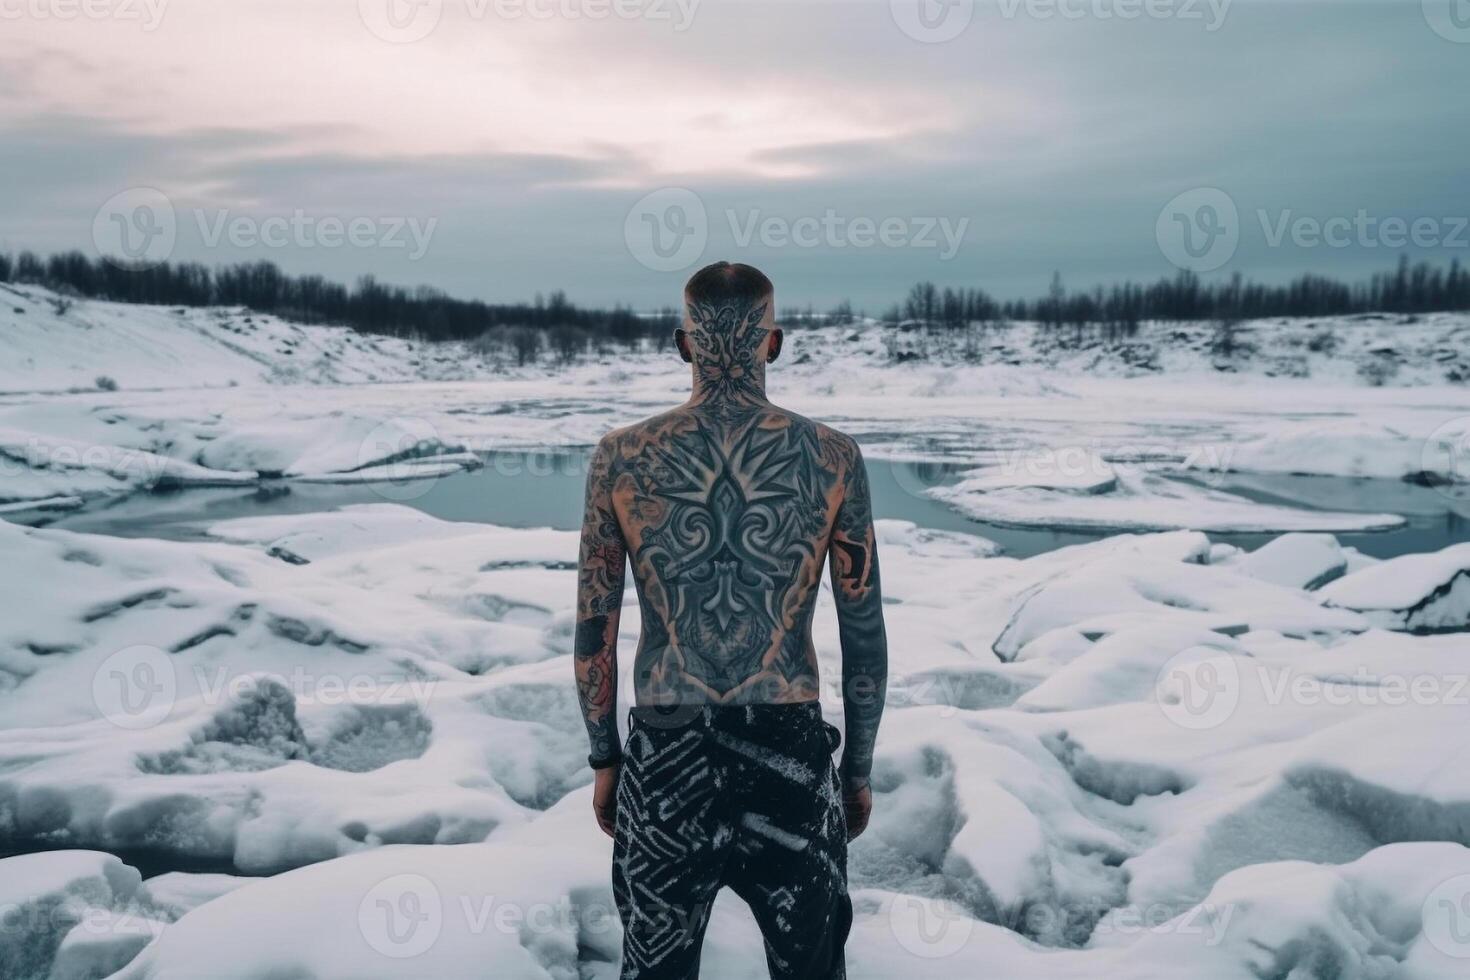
52,343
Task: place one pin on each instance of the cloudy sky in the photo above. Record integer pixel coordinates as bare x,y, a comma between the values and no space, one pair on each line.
497,148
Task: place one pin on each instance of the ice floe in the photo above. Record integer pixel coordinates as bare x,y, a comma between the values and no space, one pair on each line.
1175,753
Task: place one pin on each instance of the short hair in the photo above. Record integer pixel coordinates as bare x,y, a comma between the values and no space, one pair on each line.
728,283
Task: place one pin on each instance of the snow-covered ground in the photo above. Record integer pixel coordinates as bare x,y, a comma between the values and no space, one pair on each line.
1059,437
1149,756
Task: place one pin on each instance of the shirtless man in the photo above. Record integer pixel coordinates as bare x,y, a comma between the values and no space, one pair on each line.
727,507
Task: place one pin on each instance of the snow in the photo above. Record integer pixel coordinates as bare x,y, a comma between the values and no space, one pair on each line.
1058,798
1147,754
1141,500
1302,561
1411,592
72,914
1054,436
1352,447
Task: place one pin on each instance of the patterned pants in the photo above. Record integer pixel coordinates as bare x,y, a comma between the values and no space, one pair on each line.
745,796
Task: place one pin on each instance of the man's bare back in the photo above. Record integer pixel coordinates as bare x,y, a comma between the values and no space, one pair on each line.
727,508
727,516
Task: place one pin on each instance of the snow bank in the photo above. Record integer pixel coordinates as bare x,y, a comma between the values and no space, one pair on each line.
51,343
72,915
1418,593
1135,500
1350,447
1298,561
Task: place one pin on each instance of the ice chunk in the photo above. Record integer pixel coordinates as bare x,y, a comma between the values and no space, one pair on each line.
1416,593
1297,561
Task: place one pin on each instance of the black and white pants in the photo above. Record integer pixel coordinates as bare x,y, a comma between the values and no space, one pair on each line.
745,796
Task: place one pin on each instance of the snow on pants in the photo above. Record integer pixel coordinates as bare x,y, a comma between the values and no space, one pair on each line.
745,796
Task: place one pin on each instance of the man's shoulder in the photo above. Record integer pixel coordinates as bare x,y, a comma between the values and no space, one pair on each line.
845,445
834,442
638,433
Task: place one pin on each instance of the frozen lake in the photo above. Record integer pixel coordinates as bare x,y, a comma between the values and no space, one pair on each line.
527,489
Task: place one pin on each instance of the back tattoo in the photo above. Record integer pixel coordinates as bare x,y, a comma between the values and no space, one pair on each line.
726,508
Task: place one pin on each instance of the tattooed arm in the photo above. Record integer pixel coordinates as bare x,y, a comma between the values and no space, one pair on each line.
854,563
599,602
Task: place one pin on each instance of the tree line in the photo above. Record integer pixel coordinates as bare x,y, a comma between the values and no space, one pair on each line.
430,314
368,305
1418,288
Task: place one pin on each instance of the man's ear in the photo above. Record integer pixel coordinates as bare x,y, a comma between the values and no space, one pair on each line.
773,351
681,341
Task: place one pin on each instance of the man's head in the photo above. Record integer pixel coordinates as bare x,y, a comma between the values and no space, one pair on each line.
729,331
